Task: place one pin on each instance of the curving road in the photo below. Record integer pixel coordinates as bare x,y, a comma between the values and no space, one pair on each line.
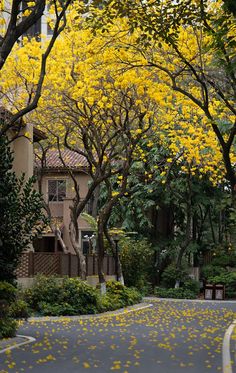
169,337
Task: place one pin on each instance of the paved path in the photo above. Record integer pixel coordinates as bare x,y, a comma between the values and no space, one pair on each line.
170,337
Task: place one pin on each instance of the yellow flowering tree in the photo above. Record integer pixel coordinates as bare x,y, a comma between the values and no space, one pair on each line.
16,18
92,108
191,47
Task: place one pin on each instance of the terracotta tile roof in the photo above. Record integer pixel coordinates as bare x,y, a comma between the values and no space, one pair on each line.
56,223
71,159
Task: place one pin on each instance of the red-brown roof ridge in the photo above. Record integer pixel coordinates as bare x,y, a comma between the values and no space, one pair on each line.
71,158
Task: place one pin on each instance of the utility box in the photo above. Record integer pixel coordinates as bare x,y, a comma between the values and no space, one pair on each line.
219,292
209,292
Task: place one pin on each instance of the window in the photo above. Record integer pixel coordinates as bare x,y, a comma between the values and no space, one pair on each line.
56,190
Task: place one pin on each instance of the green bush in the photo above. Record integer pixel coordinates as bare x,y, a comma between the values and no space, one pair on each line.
80,295
224,260
192,285
212,271
50,296
137,262
19,310
127,296
118,296
45,290
7,292
7,298
229,280
179,293
55,309
8,327
76,297
171,274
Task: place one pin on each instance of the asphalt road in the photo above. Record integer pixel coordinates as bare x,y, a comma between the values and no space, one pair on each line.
170,337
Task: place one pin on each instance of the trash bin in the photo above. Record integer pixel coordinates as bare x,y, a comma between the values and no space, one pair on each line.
219,292
209,292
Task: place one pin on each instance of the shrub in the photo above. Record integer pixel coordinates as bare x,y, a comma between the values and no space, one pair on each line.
118,296
179,293
7,327
56,309
171,274
224,260
212,271
137,258
229,280
76,297
7,297
192,285
80,295
44,290
19,310
50,296
7,292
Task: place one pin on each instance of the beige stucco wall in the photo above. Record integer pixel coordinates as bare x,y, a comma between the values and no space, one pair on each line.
23,153
28,282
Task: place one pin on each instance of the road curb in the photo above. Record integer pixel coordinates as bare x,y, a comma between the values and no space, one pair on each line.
122,311
153,299
226,356
28,340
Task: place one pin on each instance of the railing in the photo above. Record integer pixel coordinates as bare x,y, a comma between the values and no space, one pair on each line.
60,264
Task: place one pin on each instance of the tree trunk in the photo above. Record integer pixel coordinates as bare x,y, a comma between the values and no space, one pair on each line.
95,201
100,248
119,272
75,243
188,234
233,226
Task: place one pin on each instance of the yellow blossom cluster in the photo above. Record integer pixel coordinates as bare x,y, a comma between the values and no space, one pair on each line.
90,74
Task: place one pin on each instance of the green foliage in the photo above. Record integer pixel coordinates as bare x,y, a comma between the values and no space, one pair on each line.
7,298
71,296
55,309
224,260
7,292
229,280
51,296
179,293
92,222
212,271
21,212
44,290
192,286
7,327
172,274
19,310
80,295
118,296
136,258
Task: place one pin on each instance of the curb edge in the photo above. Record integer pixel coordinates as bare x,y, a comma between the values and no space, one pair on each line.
28,340
226,357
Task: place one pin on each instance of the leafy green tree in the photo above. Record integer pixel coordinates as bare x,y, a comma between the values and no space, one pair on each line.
203,74
20,211
180,212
